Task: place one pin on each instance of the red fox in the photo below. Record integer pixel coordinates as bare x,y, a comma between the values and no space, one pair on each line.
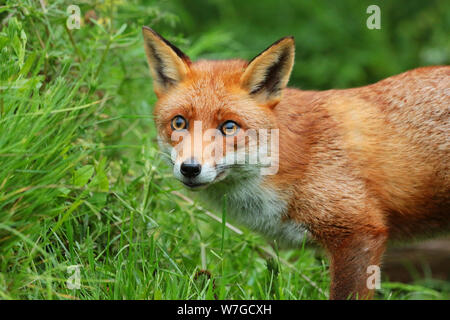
354,168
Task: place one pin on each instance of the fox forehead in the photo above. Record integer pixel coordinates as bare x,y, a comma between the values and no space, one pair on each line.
211,93
209,85
228,72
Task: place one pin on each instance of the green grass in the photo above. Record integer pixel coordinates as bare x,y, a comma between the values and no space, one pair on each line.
82,182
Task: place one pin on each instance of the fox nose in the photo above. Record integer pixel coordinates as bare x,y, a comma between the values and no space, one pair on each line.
190,168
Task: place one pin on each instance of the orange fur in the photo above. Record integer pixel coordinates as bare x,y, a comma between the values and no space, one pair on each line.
357,167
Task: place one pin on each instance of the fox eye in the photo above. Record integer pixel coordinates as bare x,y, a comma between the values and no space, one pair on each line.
178,123
229,128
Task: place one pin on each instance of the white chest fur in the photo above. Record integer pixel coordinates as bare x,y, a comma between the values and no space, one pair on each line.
259,209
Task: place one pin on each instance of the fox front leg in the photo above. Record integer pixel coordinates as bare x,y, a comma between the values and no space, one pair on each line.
350,265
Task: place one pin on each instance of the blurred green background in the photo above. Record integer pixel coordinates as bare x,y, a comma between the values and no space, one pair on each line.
334,48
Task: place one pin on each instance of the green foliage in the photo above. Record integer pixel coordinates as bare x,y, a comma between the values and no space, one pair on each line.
334,48
81,179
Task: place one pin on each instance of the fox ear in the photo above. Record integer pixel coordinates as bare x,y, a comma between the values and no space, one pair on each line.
168,64
268,73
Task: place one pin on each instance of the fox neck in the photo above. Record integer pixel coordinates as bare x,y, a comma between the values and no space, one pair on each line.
251,203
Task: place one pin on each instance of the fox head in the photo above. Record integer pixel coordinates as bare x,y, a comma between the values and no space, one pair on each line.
214,117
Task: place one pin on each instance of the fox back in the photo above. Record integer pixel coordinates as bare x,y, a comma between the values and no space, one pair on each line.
393,137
